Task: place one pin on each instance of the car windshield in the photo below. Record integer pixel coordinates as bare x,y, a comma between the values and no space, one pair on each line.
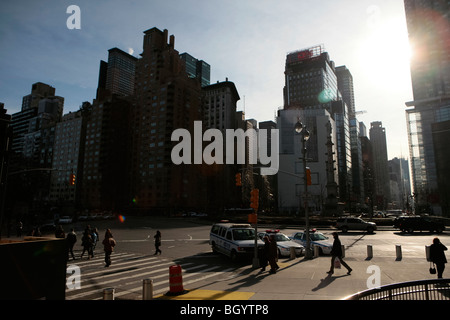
243,234
281,237
317,237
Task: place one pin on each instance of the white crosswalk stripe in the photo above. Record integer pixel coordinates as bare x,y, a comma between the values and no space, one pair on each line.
127,272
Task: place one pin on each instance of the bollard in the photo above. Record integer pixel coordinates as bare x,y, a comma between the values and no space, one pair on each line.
175,281
316,251
427,252
108,294
147,289
343,250
369,251
398,250
293,255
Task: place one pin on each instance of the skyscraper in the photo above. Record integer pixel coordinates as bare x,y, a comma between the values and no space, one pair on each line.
165,99
345,86
380,162
117,75
428,24
310,79
197,69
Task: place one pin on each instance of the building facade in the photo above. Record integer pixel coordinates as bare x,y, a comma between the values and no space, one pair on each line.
428,25
165,99
380,164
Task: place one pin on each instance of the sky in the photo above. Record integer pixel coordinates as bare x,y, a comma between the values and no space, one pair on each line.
245,41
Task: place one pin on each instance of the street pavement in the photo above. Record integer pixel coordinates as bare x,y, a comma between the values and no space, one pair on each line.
302,279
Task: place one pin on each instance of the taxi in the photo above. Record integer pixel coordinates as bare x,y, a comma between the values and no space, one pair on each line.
316,239
284,244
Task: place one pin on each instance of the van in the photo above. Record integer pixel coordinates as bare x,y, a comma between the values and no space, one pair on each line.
235,240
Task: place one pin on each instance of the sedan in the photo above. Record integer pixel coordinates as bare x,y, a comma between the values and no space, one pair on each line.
316,238
284,244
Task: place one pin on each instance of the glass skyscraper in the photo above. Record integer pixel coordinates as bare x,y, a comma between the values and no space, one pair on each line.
428,24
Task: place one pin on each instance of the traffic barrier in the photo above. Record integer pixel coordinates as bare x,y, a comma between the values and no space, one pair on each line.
108,294
147,289
293,255
316,251
398,250
175,281
369,251
427,252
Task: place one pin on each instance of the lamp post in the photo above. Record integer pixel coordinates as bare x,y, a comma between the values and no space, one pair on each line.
301,129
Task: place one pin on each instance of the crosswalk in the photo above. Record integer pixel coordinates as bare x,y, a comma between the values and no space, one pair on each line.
86,279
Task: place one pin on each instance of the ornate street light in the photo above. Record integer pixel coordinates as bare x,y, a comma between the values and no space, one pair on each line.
301,129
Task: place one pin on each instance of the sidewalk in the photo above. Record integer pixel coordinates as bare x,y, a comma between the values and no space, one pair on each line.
301,279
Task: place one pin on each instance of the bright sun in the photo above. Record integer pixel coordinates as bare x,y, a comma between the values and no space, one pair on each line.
386,54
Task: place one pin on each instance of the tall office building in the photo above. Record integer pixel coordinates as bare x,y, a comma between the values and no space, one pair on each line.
219,106
32,147
165,99
117,75
428,24
310,79
345,86
380,162
67,157
311,83
197,69
321,155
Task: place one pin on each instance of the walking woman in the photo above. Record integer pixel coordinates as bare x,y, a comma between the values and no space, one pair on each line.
157,242
108,244
437,256
336,252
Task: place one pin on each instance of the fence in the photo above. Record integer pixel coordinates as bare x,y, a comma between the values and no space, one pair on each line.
437,289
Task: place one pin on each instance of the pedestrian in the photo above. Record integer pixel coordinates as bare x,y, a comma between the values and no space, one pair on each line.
94,235
86,242
157,242
264,257
336,252
273,254
437,256
108,245
71,239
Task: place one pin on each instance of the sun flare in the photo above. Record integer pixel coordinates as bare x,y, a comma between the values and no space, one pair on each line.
387,53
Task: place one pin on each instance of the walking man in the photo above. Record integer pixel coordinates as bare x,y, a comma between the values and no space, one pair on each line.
336,252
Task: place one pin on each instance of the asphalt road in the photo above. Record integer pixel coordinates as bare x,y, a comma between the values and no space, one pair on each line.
185,237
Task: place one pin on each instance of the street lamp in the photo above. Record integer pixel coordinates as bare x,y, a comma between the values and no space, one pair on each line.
301,129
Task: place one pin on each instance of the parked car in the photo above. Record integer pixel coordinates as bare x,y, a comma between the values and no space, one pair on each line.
316,239
353,223
284,244
418,223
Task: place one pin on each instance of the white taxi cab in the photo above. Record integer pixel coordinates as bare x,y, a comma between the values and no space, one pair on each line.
234,239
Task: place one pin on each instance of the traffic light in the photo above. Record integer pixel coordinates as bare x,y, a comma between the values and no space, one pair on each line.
308,176
254,199
72,179
238,180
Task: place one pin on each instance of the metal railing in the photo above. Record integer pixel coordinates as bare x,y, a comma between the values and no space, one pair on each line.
437,289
